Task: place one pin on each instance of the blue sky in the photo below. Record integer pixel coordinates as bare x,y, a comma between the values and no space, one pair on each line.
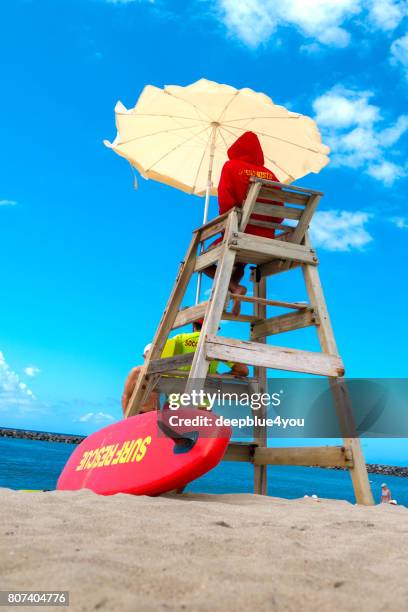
88,261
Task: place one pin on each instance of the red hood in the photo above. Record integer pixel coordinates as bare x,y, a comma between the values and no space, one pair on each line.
247,148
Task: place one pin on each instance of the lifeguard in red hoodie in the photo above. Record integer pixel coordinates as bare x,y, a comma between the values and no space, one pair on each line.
245,159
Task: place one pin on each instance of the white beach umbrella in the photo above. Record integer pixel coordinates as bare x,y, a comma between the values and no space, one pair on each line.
180,135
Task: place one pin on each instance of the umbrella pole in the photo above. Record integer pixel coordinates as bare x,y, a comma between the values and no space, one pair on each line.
207,202
205,218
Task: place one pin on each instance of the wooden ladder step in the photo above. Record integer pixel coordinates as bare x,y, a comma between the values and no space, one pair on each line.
323,456
274,357
284,323
208,258
282,212
168,364
255,249
175,382
192,313
265,302
240,451
215,226
278,195
289,189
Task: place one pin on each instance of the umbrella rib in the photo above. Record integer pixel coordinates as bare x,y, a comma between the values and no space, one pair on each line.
272,161
275,138
261,117
137,115
155,134
201,163
222,136
248,121
197,110
230,101
174,149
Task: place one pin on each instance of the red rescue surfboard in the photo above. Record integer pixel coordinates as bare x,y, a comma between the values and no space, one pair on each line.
147,454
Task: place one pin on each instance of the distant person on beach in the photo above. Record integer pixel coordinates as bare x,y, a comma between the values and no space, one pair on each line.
246,160
385,494
179,345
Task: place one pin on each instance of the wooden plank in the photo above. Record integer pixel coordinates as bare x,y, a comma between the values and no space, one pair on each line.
169,363
199,368
215,221
301,228
293,188
283,323
219,379
249,204
274,357
358,473
323,456
208,258
273,194
282,212
239,451
265,302
254,246
212,230
276,267
189,315
272,225
318,302
175,382
252,257
260,433
241,318
298,233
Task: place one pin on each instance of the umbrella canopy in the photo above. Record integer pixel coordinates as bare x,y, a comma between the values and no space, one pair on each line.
180,135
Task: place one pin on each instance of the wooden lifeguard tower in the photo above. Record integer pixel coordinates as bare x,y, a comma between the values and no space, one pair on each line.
290,248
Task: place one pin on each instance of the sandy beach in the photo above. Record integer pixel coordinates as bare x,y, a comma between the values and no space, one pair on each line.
205,552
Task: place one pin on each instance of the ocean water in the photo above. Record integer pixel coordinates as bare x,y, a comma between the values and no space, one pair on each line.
33,464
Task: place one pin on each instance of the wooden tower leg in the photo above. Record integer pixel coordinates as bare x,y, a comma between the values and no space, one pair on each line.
260,434
145,383
358,472
212,319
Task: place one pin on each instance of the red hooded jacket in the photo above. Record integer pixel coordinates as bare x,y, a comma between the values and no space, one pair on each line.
246,159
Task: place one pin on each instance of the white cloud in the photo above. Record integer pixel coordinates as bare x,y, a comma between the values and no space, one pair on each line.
254,21
342,108
387,14
96,417
386,172
400,222
32,371
326,21
8,203
340,230
391,135
250,20
399,53
12,390
354,129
